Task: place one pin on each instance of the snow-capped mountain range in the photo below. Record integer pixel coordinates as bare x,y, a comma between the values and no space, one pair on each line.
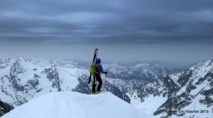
23,79
146,72
188,94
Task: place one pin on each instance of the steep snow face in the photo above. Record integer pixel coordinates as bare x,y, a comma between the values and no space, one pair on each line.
189,93
76,105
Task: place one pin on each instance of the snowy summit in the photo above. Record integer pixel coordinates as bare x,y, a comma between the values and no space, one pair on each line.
76,105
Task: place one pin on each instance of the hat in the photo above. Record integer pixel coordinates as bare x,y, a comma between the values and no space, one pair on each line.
98,61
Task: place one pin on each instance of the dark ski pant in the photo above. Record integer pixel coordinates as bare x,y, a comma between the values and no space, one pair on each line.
98,78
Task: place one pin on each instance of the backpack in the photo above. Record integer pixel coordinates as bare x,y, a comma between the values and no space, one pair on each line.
93,69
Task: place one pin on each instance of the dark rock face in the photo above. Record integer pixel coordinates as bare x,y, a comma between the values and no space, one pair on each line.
34,82
14,71
4,108
52,75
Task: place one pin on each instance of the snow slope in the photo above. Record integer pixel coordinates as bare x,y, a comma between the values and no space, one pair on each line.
76,105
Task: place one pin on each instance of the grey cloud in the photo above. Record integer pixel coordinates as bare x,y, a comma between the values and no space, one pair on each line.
121,21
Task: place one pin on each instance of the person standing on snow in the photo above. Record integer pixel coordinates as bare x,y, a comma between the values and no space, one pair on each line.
99,70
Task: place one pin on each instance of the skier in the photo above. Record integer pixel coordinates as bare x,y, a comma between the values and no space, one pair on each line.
99,70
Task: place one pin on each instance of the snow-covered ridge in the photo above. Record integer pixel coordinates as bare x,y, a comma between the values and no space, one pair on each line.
177,94
76,105
196,72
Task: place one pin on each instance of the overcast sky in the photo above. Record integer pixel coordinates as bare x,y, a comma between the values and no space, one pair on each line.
178,31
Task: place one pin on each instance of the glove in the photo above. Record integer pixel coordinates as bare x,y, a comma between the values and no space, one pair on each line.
105,72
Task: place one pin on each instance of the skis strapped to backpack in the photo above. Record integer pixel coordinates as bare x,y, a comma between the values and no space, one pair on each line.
93,68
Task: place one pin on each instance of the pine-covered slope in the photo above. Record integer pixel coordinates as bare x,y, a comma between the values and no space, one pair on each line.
189,93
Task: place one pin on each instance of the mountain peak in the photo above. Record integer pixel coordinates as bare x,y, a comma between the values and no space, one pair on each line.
21,59
76,105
